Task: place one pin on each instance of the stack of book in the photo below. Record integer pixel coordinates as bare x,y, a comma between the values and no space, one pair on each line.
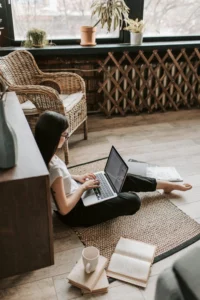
131,262
93,283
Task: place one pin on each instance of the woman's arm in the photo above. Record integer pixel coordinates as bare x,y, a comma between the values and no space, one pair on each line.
75,177
67,203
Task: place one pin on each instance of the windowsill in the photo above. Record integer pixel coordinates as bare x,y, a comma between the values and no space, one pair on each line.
101,48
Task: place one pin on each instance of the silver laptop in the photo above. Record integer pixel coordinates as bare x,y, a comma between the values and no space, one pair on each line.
111,180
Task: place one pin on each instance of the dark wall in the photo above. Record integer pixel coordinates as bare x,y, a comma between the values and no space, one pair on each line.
86,67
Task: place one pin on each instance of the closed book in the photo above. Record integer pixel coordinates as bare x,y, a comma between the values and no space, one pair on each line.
101,286
79,278
131,261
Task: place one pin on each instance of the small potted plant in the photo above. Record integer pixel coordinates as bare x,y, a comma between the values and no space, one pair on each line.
109,12
36,38
136,29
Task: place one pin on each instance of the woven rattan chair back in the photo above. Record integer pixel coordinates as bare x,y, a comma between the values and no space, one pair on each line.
21,74
19,68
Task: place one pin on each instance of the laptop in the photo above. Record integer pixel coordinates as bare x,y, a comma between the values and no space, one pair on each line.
149,170
111,180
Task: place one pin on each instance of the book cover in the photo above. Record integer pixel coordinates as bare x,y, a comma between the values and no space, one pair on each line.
101,286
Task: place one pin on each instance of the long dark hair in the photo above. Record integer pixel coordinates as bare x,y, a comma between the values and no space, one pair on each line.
48,131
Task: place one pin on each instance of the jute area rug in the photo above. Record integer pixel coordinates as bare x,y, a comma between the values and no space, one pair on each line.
158,222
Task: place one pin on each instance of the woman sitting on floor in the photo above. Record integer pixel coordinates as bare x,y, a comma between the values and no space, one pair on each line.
50,134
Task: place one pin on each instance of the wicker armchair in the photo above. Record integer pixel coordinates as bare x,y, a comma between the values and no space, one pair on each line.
37,91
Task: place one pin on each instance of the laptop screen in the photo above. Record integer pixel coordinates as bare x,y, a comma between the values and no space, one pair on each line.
116,170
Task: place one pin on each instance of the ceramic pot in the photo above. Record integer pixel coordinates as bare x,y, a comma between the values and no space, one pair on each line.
8,140
136,38
38,46
88,36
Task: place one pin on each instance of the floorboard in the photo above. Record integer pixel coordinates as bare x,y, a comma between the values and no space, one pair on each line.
171,138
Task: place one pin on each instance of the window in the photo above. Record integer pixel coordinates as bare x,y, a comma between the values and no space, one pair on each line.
61,19
171,18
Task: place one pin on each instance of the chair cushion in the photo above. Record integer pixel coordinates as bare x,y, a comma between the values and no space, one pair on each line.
69,101
29,108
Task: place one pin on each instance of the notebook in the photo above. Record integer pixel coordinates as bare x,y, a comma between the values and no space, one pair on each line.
101,286
131,261
164,173
148,170
79,278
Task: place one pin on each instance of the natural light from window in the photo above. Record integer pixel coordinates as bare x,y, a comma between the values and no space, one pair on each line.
171,18
61,19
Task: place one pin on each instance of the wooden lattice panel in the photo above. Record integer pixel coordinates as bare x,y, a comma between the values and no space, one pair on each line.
136,82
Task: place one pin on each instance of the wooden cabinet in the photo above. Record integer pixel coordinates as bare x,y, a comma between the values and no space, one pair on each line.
26,239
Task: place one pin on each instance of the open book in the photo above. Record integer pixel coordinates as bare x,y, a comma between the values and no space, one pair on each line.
163,173
79,278
149,170
131,261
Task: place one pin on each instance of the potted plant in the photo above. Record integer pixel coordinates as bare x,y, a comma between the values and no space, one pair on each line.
136,29
36,38
109,12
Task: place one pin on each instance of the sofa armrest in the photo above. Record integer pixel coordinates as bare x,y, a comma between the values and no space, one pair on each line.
187,271
167,287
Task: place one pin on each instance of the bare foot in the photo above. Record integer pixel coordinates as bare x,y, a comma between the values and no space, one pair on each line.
177,187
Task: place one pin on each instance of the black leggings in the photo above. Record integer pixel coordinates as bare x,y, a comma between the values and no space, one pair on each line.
124,204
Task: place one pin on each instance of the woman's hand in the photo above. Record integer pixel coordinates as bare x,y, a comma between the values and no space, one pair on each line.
90,184
85,177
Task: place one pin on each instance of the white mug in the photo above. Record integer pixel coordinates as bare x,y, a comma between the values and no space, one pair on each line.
90,256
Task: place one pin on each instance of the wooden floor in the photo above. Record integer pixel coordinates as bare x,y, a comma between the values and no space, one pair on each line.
171,138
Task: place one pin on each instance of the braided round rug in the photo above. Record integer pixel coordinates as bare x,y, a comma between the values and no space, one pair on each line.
158,222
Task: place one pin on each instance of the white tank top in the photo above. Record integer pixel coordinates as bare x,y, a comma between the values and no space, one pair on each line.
57,168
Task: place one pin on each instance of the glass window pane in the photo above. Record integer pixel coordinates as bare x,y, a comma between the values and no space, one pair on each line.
171,18
61,19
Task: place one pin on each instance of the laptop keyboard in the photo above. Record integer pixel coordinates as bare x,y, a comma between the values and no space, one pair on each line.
104,191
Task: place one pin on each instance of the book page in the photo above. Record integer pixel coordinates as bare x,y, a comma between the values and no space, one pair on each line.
135,249
163,173
129,267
